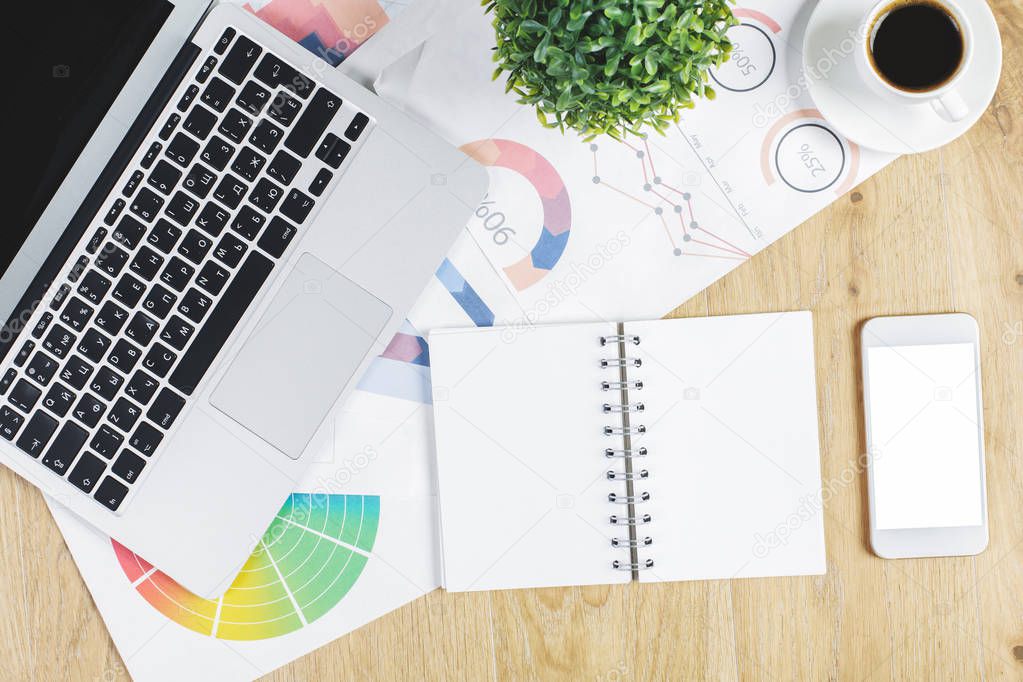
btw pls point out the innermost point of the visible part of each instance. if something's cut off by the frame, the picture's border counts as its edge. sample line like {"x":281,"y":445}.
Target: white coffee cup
{"x":944,"y":99}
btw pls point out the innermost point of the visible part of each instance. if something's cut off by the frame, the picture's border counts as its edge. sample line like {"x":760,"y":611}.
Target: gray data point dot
{"x":657,"y":179}
{"x":695,"y":225}
{"x":678,"y":209}
{"x":647,"y":187}
{"x":658,"y":211}
{"x":687,"y":196}
{"x":678,"y":252}
{"x":596,"y":179}
{"x":639,"y":155}
{"x":686,"y":238}
{"x":593,"y":147}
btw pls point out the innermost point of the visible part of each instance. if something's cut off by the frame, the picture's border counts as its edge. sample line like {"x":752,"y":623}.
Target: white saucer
{"x":866,"y":118}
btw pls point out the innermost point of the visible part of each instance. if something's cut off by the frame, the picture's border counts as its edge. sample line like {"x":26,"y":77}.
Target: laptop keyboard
{"x":173,"y":263}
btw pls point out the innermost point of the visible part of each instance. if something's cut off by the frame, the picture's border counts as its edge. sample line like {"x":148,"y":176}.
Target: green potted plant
{"x":609,"y":66}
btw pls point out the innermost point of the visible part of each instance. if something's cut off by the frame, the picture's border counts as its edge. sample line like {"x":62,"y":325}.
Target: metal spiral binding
{"x":626,"y":453}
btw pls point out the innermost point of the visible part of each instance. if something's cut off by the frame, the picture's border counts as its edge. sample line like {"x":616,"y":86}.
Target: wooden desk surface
{"x":931,"y":233}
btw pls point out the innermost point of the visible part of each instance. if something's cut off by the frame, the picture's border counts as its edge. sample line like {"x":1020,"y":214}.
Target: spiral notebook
{"x":607,"y":452}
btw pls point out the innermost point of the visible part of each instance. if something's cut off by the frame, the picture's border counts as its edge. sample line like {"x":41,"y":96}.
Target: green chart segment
{"x":304,"y":564}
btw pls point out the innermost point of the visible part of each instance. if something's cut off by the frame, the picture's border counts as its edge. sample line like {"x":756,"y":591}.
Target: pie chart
{"x":304,"y":564}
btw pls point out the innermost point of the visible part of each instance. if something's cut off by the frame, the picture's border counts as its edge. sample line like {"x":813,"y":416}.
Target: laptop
{"x":215,"y":232}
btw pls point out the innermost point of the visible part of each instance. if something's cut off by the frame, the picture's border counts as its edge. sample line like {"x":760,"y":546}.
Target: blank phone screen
{"x":925,"y":436}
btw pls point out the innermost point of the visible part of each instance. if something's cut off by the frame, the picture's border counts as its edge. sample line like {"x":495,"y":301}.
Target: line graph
{"x":672,"y":204}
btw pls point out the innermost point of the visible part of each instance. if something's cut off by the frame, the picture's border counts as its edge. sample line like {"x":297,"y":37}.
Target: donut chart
{"x":557,"y":208}
{"x":302,"y":567}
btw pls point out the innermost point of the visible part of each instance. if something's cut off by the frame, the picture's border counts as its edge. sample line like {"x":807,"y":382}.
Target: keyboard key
{"x":212,"y":219}
{"x":76,"y":314}
{"x":10,"y":422}
{"x":94,"y":345}
{"x":41,"y":325}
{"x":320,"y":182}
{"x":164,"y":235}
{"x":276,"y":237}
{"x":195,"y":305}
{"x":164,"y":177}
{"x":313,"y":121}
{"x":188,"y":97}
{"x":124,"y":414}
{"x":248,"y":163}
{"x":129,"y":231}
{"x":181,"y":208}
{"x":235,"y":125}
{"x":97,"y":240}
{"x":142,"y":329}
{"x":107,"y":441}
{"x":89,"y":410}
{"x":146,"y":263}
{"x":214,"y":333}
{"x":355,"y":128}
{"x":265,"y":195}
{"x":212,"y":278}
{"x":176,"y":333}
{"x":141,"y":387}
{"x":111,"y":260}
{"x":206,"y":69}
{"x":26,"y":350}
{"x":9,"y":376}
{"x":253,"y":98}
{"x":297,"y":206}
{"x":333,"y":150}
{"x":284,"y":108}
{"x":76,"y":372}
{"x":169,"y":126}
{"x":283,"y":167}
{"x":177,"y":274}
{"x":65,"y":447}
{"x":159,"y":360}
{"x":37,"y":433}
{"x":200,"y":121}
{"x":217,"y":152}
{"x":129,"y":290}
{"x":230,"y":250}
{"x":118,"y":205}
{"x":147,"y":204}
{"x":266,"y":136}
{"x":132,"y":184}
{"x":240,"y":60}
{"x":199,"y":181}
{"x":248,"y":223}
{"x":274,"y":72}
{"x":182,"y":149}
{"x":160,"y":301}
{"x":86,"y":472}
{"x":165,"y":408}
{"x":146,"y":439}
{"x":111,"y":318}
{"x":79,"y":268}
{"x":60,"y":296}
{"x":59,"y":399}
{"x":224,"y":41}
{"x":230,"y":191}
{"x":59,"y":341}
{"x":94,"y":286}
{"x":124,"y":356}
{"x":24,"y":395}
{"x":195,"y":246}
{"x":42,"y":368}
{"x":111,"y":493}
{"x":217,"y":94}
{"x":128,"y":466}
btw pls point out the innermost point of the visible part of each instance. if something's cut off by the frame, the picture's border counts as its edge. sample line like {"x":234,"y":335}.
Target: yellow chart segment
{"x":304,"y":564}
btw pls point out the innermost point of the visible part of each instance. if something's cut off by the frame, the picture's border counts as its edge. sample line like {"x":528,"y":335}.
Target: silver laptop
{"x":215,"y":233}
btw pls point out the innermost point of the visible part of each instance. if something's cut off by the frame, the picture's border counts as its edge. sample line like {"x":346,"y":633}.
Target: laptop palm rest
{"x":306,"y":347}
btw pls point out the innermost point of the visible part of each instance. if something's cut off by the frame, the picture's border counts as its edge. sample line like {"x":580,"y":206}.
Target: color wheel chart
{"x":674,"y":207}
{"x":303,"y":566}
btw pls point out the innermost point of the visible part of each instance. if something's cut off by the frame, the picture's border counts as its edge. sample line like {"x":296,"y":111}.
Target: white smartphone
{"x":925,"y":436}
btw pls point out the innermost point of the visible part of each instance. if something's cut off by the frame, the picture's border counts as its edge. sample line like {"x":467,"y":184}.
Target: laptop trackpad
{"x":307,"y":346}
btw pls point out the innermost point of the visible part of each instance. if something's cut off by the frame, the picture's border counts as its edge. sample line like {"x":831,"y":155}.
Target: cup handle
{"x":950,"y":106}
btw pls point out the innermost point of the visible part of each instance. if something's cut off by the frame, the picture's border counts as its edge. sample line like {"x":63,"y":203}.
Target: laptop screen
{"x":71,"y":59}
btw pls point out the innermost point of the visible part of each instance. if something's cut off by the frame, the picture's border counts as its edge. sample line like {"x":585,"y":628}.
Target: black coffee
{"x":916,"y":46}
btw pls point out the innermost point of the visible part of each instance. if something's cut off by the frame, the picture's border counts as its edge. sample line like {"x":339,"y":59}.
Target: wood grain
{"x":935,"y":232}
